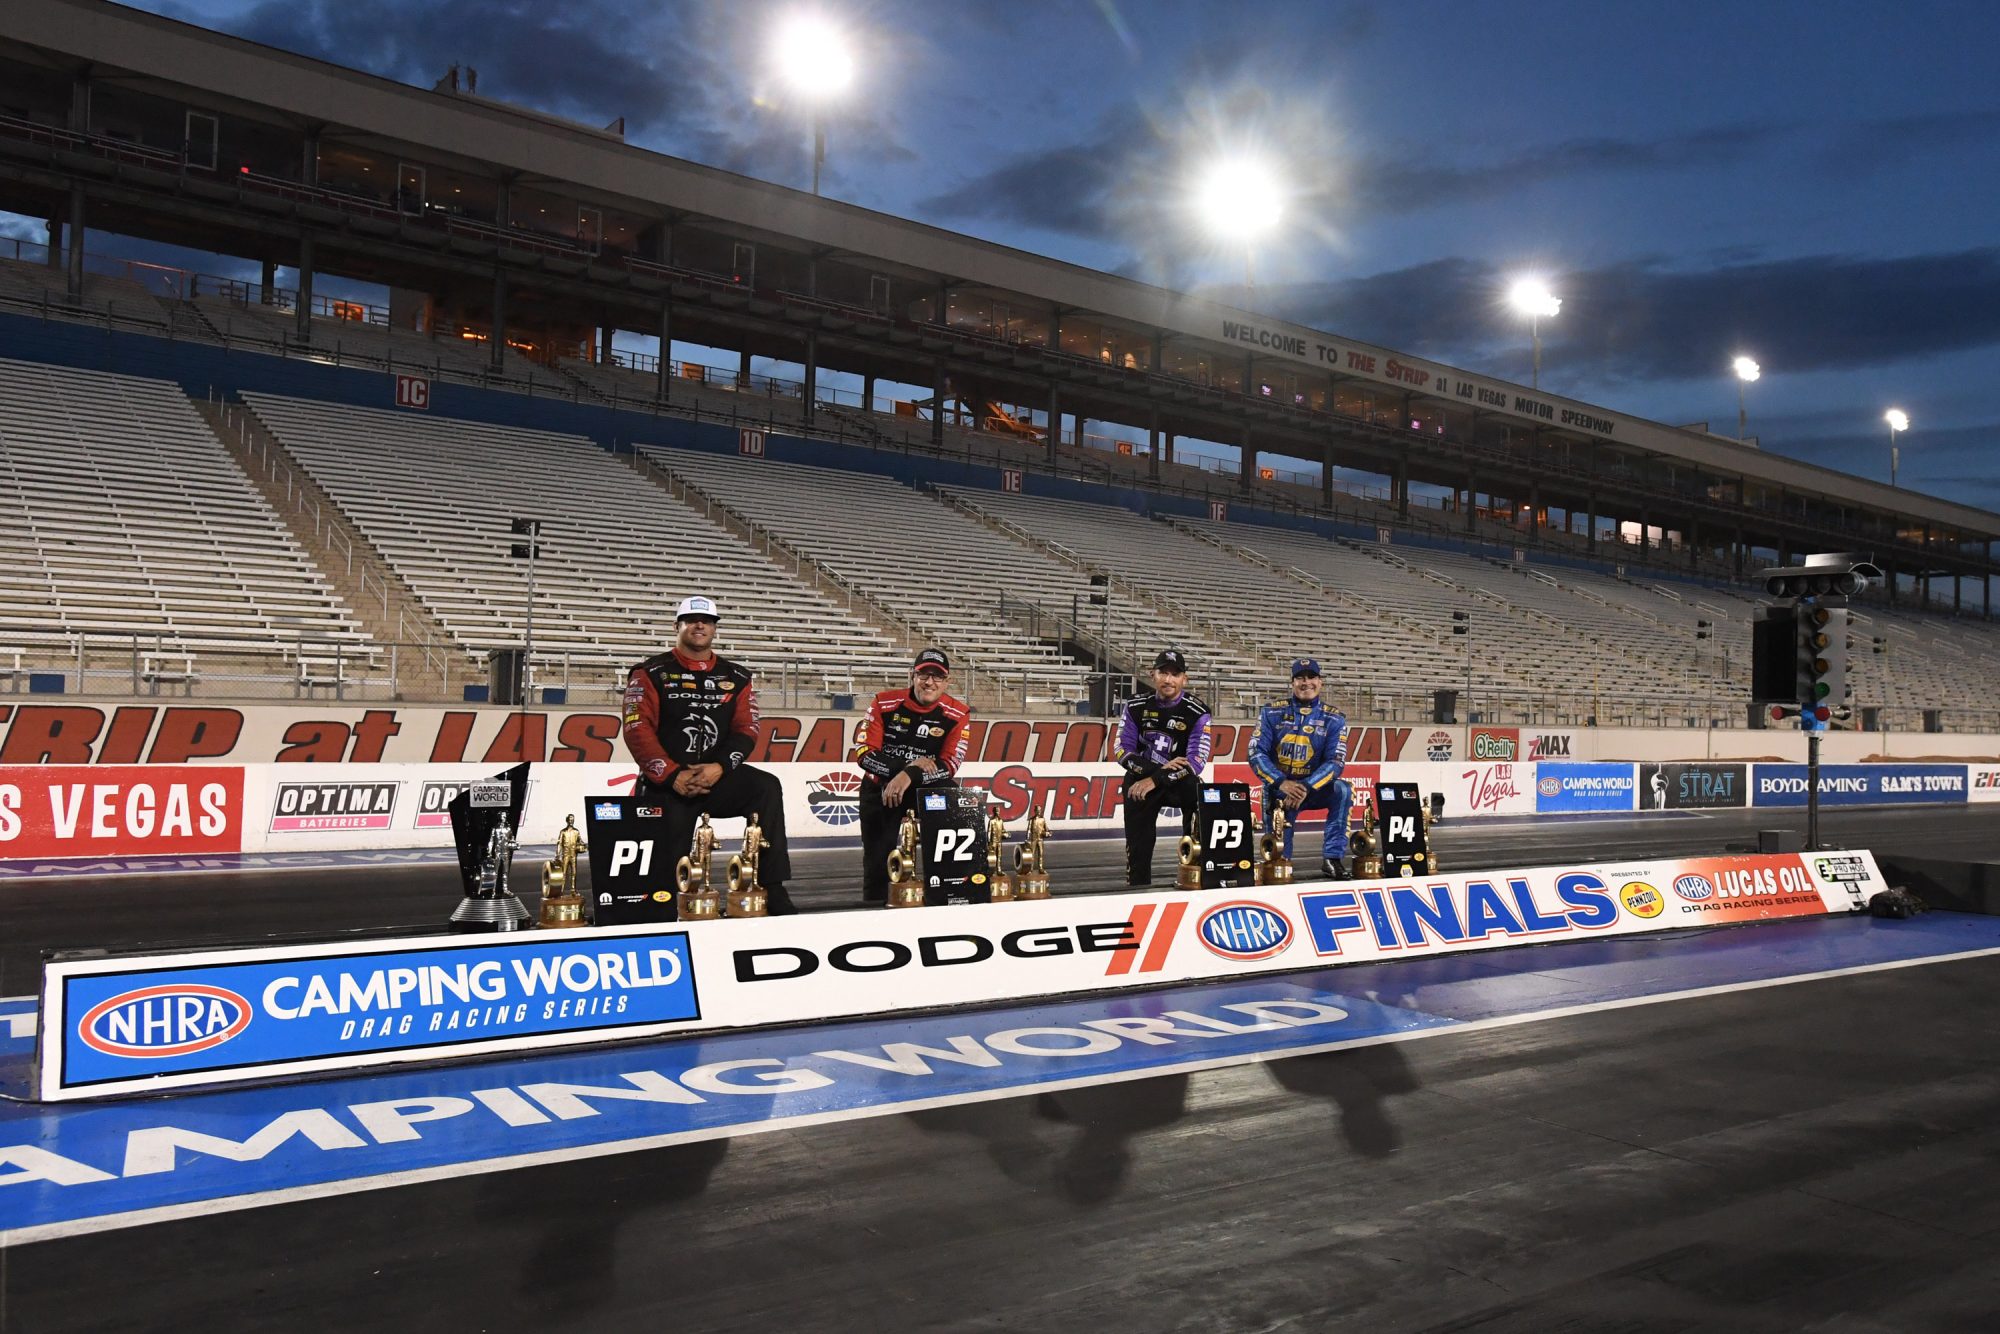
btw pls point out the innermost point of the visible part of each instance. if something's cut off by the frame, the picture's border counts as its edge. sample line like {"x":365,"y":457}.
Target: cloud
{"x":1641,"y":320}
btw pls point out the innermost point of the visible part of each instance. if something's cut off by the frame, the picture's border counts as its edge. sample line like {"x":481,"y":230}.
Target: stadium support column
{"x":267,"y":278}
{"x":664,"y":372}
{"x":1055,"y":422}
{"x":811,"y":389}
{"x":1471,"y":502}
{"x":937,"y":402}
{"x":868,"y":391}
{"x":305,"y":303}
{"x":1590,"y":522}
{"x":1247,"y":458}
{"x":496,"y":342}
{"x":1403,"y":487}
{"x":76,"y":243}
{"x":1153,"y":430}
{"x":1326,"y":480}
{"x":54,"y":257}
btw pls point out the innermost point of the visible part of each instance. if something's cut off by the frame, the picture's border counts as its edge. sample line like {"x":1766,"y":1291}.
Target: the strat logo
{"x":1491,"y":786}
{"x":1151,"y":933}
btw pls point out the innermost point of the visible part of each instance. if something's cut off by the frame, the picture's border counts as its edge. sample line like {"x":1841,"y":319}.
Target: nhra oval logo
{"x":1641,"y":899}
{"x":173,"y":1020}
{"x":1694,"y":888}
{"x":1244,"y":931}
{"x":835,"y":798}
{"x":1549,"y":787}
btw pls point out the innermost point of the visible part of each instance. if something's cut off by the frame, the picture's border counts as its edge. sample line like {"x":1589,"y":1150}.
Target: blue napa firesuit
{"x":1305,"y":743}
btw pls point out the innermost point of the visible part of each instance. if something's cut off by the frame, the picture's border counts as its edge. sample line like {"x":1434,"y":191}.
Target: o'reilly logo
{"x":316,"y":807}
{"x":781,"y":963}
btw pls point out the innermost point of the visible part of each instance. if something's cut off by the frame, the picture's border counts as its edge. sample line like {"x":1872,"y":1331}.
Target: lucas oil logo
{"x":155,"y":1022}
{"x":1244,"y":931}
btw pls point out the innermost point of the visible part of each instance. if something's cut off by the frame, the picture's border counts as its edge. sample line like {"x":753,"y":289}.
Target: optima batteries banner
{"x":185,"y":1018}
{"x":112,"y":1025}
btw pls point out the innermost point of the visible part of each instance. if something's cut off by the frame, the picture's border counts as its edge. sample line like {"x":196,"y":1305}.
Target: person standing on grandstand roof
{"x":914,"y":738}
{"x":1163,"y":747}
{"x":690,"y":723}
{"x":1299,"y":753}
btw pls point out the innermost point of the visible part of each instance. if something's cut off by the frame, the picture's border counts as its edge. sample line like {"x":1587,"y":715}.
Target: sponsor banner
{"x":1537,"y":745}
{"x":1564,"y":788}
{"x":1983,"y":783}
{"x":1861,"y":784}
{"x":1473,"y":789}
{"x":182,"y":1019}
{"x":1678,"y":787}
{"x":121,"y":1025}
{"x":1494,"y":743}
{"x":94,"y":811}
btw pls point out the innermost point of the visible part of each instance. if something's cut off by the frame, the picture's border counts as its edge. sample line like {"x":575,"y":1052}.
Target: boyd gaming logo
{"x":155,"y":1022}
{"x":835,"y":798}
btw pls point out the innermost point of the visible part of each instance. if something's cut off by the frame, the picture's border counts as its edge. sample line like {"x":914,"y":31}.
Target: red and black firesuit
{"x":679,"y":713}
{"x":898,"y":731}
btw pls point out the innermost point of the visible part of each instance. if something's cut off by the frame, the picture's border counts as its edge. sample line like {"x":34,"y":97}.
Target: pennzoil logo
{"x":156,"y":1022}
{"x":1641,"y":899}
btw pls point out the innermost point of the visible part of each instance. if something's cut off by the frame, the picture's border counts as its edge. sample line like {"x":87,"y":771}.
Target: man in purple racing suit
{"x":1163,"y":747}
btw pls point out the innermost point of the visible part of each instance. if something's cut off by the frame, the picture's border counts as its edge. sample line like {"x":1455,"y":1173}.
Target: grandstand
{"x":138,"y":551}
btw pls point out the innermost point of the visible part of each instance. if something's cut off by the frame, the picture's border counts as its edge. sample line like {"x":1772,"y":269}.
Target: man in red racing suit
{"x":914,"y":738}
{"x":690,"y":723}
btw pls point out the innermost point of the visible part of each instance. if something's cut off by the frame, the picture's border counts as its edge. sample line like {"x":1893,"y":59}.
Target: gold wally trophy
{"x":562,"y":905}
{"x":1433,"y":810}
{"x":697,"y":900}
{"x":906,"y":886}
{"x":742,"y":896}
{"x":1031,"y":860}
{"x":1001,"y":883}
{"x":1188,"y":876}
{"x":1273,"y":866}
{"x":1365,"y":845}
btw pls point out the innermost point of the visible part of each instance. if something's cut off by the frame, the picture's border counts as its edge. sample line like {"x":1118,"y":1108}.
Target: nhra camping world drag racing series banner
{"x":114,"y":1025}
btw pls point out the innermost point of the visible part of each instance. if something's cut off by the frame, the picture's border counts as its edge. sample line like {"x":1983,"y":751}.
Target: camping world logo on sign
{"x":1244,"y":931}
{"x":315,"y":807}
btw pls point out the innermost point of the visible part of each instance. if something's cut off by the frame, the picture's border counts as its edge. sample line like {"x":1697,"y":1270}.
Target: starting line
{"x":71,"y":1170}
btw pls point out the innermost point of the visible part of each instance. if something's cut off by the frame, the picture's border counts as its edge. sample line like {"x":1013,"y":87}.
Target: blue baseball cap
{"x":1305,"y":667}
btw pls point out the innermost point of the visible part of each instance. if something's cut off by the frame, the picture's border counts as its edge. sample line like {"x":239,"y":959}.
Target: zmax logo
{"x":164,"y":1021}
{"x":1244,"y":931}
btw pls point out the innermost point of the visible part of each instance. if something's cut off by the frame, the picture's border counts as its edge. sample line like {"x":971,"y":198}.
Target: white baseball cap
{"x":697,"y":606}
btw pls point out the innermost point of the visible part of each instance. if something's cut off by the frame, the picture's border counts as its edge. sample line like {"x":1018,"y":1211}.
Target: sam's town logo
{"x":155,"y":1022}
{"x":1641,"y":899}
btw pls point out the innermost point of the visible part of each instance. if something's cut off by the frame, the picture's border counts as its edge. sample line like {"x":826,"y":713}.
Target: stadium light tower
{"x":1746,"y":371}
{"x":814,"y":59}
{"x":1899,"y":421}
{"x":1531,"y":297}
{"x":1240,"y":199}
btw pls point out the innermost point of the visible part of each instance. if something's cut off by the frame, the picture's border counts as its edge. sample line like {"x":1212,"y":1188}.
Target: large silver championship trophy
{"x":486,"y":823}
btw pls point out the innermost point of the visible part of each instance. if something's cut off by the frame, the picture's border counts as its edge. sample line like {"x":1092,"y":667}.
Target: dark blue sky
{"x":1816,"y":184}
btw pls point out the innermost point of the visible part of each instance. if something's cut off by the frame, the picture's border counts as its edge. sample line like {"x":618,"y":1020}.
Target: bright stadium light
{"x":1899,"y":421}
{"x":1531,"y":297}
{"x":1746,"y":371}
{"x":1241,"y":200}
{"x":814,"y":60}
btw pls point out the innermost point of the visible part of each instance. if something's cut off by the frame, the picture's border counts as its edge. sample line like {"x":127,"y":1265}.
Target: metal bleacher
{"x":135,"y":545}
{"x":434,"y":497}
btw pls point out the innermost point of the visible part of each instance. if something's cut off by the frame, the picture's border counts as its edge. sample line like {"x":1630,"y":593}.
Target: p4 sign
{"x":122,"y":810}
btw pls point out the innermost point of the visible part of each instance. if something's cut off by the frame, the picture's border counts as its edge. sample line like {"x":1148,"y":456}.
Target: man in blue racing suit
{"x":1299,"y":753}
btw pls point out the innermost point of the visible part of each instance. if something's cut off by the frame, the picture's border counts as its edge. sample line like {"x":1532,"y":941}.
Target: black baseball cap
{"x":932,"y":660}
{"x":1170,"y":661}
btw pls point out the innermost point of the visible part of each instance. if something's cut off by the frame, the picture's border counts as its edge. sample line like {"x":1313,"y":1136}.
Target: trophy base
{"x":1029,"y":887}
{"x":505,"y":913}
{"x":1001,"y":889}
{"x":704,"y":907}
{"x":1187,"y":877}
{"x":1367,"y":868}
{"x":1277,"y":871}
{"x":562,"y":911}
{"x":909,"y":895}
{"x":745,"y":903}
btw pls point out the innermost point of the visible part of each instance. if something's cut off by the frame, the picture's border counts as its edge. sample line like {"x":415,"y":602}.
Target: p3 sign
{"x":1227,"y":831}
{"x":952,"y":836}
{"x":631,"y":872}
